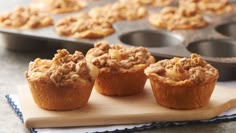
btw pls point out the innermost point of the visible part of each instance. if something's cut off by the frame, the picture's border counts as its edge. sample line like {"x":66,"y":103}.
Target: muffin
{"x":121,"y":68}
{"x":182,"y":83}
{"x":63,"y":83}
{"x":25,"y":18}
{"x":209,"y":6}
{"x":172,"y":18}
{"x":119,"y":11}
{"x":58,"y":6}
{"x":84,"y":26}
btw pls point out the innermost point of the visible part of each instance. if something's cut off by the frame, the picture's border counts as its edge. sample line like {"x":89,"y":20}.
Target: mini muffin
{"x":119,"y":11}
{"x":150,"y":2}
{"x":58,"y":6}
{"x":25,"y":18}
{"x":172,"y":18}
{"x":84,"y":26}
{"x":63,"y":83}
{"x":182,"y":83}
{"x":209,"y":6}
{"x":121,"y":68}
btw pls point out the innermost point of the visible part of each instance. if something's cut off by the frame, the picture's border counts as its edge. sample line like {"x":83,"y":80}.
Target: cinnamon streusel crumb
{"x":58,"y":6}
{"x":150,"y":2}
{"x":63,"y":69}
{"x":116,"y":57}
{"x":172,"y":18}
{"x":26,"y":18}
{"x":84,"y":26}
{"x":193,"y":69}
{"x":119,"y":11}
{"x":208,"y":6}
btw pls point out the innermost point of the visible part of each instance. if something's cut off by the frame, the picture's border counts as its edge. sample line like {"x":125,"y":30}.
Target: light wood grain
{"x":105,"y":110}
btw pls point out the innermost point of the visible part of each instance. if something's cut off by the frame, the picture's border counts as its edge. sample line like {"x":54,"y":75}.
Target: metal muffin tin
{"x":216,"y":43}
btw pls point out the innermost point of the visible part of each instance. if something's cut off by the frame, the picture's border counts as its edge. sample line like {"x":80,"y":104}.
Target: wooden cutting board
{"x":105,"y":110}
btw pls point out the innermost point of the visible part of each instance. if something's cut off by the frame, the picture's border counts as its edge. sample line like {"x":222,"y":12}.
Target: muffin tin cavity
{"x":227,"y":71}
{"x":150,"y":38}
{"x":214,"y":48}
{"x":227,"y":29}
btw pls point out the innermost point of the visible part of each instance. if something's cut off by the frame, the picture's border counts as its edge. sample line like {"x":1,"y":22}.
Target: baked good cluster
{"x":189,"y":14}
{"x":65,"y":82}
{"x":86,"y":20}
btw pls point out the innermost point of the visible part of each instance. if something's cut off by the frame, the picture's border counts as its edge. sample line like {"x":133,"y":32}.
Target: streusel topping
{"x":107,"y":12}
{"x":178,"y":18}
{"x":208,"y":6}
{"x":116,"y":57}
{"x":63,"y":69}
{"x":84,"y":26}
{"x":180,"y":69}
{"x":150,"y":2}
{"x":58,"y":6}
{"x":119,"y":11}
{"x":25,"y":17}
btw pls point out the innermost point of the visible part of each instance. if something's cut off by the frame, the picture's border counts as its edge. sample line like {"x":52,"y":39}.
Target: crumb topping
{"x":150,"y":2}
{"x":181,"y":69}
{"x":98,"y":21}
{"x":116,"y":57}
{"x":25,"y":17}
{"x":63,"y":69}
{"x":209,"y":6}
{"x":178,"y":18}
{"x":119,"y":11}
{"x":59,"y":6}
{"x":84,"y":26}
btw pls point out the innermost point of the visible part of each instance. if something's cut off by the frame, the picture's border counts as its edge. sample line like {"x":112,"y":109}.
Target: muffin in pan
{"x":118,"y":11}
{"x":25,"y":18}
{"x":182,"y":83}
{"x":121,"y":68}
{"x":63,"y":83}
{"x":84,"y":26}
{"x":150,"y":2}
{"x":173,"y":18}
{"x":208,"y":6}
{"x":58,"y":6}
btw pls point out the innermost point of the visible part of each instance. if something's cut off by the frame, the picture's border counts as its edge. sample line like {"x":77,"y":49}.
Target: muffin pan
{"x":216,"y":42}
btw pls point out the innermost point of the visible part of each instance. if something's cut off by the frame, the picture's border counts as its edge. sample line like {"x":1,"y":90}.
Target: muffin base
{"x":48,"y":96}
{"x":120,"y":84}
{"x":182,"y":97}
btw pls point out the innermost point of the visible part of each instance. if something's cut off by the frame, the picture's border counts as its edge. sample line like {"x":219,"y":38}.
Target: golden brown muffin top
{"x":25,"y":17}
{"x":208,"y":6}
{"x":58,"y":6}
{"x":84,"y":26}
{"x":119,"y":11}
{"x":118,"y":58}
{"x":178,"y":18}
{"x":183,"y":70}
{"x":63,"y":69}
